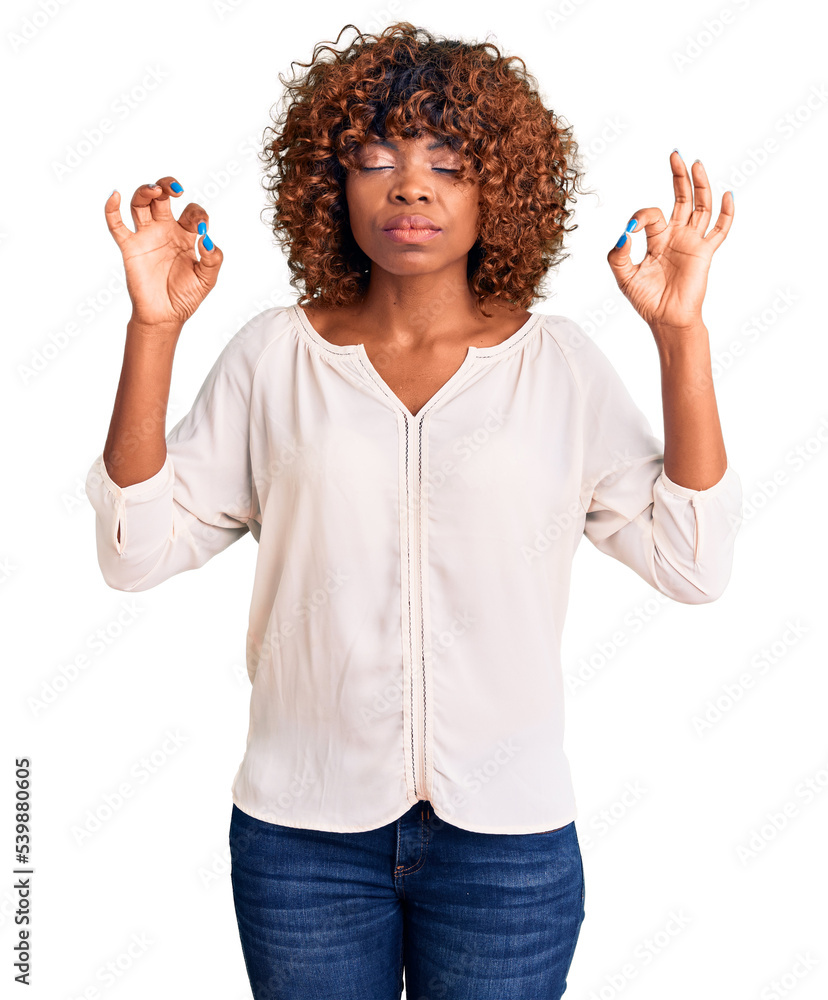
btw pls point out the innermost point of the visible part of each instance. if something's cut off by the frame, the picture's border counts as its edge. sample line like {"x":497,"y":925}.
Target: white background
{"x":635,"y":79}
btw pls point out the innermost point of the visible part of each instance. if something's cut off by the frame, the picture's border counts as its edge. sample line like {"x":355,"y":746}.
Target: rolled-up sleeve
{"x":678,"y":539}
{"x":198,"y":503}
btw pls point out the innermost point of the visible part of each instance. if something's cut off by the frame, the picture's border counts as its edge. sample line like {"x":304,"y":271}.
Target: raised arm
{"x":134,"y":479}
{"x":667,"y":290}
{"x":669,"y":511}
{"x":166,"y":284}
{"x":136,"y":448}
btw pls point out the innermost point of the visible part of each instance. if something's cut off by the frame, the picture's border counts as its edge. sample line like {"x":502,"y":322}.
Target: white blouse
{"x":413,"y":571}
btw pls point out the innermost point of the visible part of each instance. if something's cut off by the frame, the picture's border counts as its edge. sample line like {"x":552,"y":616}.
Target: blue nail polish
{"x":631,"y":225}
{"x":676,"y":151}
{"x":622,"y":241}
{"x":207,"y":243}
{"x":176,"y":187}
{"x":731,"y":195}
{"x":202,"y":228}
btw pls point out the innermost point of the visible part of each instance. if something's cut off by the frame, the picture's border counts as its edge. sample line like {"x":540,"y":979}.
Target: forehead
{"x":426,"y":142}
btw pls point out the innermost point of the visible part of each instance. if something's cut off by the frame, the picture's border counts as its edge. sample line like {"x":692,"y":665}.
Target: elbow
{"x":123,"y":586}
{"x":121,"y":583}
{"x":118,"y":575}
{"x":697,"y":596}
{"x":128,"y":587}
{"x":691,"y":573}
{"x":687,"y":585}
{"x":132,"y":568}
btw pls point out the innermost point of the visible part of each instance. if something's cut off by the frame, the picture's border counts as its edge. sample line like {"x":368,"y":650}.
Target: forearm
{"x":694,"y":451}
{"x":135,"y":446}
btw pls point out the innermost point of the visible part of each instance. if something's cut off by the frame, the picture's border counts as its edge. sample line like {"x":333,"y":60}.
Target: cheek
{"x":471,"y":207}
{"x":354,"y":203}
{"x":359,"y":212}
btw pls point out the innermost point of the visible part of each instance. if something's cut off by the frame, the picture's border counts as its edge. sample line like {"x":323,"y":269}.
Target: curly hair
{"x":403,"y":83}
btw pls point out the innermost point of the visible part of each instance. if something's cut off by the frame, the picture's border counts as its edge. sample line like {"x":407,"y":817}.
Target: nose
{"x":412,"y":195}
{"x":412,"y":183}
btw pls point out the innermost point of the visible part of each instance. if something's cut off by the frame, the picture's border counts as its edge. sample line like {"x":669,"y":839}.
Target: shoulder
{"x":245,"y":349}
{"x":590,"y":367}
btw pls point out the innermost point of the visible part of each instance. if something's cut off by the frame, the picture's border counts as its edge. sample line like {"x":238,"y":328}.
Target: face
{"x":397,"y":179}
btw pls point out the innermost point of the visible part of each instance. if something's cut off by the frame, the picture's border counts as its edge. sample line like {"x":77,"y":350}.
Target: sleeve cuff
{"x":146,"y":489}
{"x":688,"y":493}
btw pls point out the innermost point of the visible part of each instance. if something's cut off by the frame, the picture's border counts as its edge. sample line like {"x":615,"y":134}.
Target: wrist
{"x":681,"y":341}
{"x":162,"y":336}
{"x":162,"y":328}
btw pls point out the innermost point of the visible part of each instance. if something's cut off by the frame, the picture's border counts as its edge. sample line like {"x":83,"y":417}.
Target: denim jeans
{"x":468,"y":916}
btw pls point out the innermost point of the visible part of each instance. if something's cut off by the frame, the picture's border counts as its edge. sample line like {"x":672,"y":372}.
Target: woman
{"x":417,"y":456}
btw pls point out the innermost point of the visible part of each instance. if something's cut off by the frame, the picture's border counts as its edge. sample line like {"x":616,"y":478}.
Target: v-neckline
{"x":303,"y":323}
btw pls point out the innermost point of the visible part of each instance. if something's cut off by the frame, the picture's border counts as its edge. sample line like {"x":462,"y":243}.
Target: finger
{"x":191,"y":215}
{"x":717,"y":234}
{"x":682,"y":188}
{"x":646,"y":220}
{"x":619,"y":257}
{"x":207,"y":268}
{"x":114,"y":222}
{"x":140,"y":205}
{"x":703,"y":209}
{"x":163,"y":191}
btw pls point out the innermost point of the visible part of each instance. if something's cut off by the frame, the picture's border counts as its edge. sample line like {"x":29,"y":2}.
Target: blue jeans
{"x":468,"y":916}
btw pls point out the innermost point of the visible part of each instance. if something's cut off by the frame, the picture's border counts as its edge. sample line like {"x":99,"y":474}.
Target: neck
{"x":419,"y":310}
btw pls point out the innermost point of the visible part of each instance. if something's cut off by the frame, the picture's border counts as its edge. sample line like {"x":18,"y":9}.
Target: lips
{"x":410,"y":222}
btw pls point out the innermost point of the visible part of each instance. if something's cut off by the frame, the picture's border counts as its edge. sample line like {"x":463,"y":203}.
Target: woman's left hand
{"x":668,"y":286}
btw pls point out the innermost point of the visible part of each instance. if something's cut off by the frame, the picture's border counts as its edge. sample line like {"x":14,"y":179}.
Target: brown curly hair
{"x":402,"y":83}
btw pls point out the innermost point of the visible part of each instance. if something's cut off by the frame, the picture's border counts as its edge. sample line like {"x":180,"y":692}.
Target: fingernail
{"x":207,"y":243}
{"x":111,"y":193}
{"x":622,"y":241}
{"x":676,"y":151}
{"x":152,"y":185}
{"x":202,"y":228}
{"x":176,"y":187}
{"x":731,"y":195}
{"x":631,"y":225}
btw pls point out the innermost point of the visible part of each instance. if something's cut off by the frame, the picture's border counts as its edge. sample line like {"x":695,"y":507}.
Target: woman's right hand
{"x":165,"y":280}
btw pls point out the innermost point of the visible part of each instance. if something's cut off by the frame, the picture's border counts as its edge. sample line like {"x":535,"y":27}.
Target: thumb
{"x":207,"y":268}
{"x":619,"y":257}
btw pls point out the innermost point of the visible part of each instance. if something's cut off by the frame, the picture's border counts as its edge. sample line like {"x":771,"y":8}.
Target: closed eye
{"x":441,"y":170}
